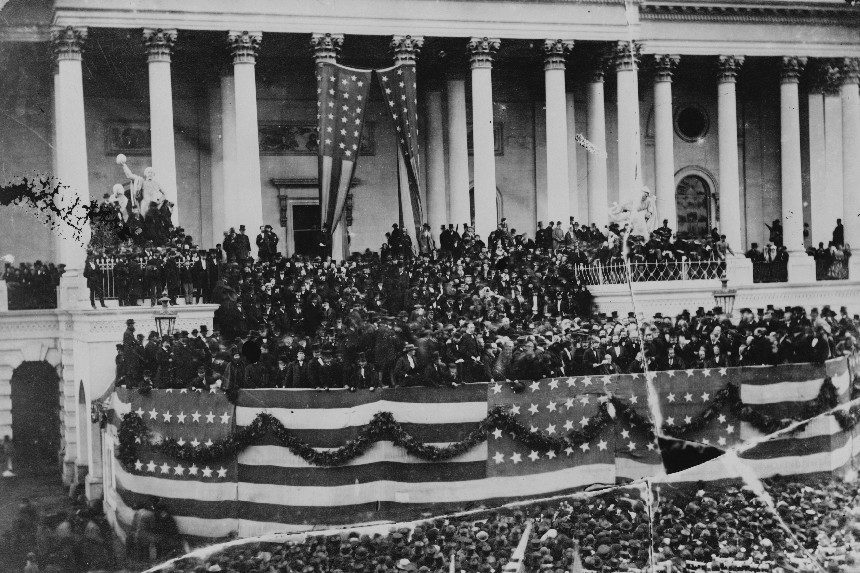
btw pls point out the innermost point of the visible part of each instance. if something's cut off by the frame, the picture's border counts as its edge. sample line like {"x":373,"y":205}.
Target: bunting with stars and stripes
{"x":400,"y":90}
{"x":269,"y":486}
{"x":341,"y":101}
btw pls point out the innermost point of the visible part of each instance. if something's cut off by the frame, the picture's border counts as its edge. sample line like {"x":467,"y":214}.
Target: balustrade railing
{"x":616,"y":273}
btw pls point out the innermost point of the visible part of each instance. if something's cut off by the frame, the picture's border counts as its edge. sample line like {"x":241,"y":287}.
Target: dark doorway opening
{"x":306,"y":221}
{"x":36,"y":418}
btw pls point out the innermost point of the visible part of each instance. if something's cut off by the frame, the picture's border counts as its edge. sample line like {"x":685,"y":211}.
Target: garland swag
{"x":383,"y":426}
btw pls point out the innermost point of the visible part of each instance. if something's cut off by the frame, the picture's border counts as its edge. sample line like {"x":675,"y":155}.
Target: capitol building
{"x":733,"y":114}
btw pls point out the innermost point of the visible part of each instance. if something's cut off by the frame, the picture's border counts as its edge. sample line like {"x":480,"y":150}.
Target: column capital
{"x":791,"y":69}
{"x":625,"y":55}
{"x":482,"y":51}
{"x":664,"y":66}
{"x":823,"y":77}
{"x":406,"y":48}
{"x":244,"y":46}
{"x":68,"y":42}
{"x":555,"y":53}
{"x":159,"y":43}
{"x":326,"y":47}
{"x":849,"y":71}
{"x":597,"y":66}
{"x":729,"y":68}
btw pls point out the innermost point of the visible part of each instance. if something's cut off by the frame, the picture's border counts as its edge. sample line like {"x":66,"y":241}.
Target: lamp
{"x":725,"y":297}
{"x":165,"y":317}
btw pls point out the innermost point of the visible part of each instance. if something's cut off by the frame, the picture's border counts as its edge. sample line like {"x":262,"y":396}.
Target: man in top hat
{"x":406,"y":368}
{"x":242,"y":245}
{"x":361,"y":374}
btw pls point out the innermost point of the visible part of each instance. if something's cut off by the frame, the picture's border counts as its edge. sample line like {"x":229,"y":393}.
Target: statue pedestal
{"x":801,"y":268}
{"x":739,"y":271}
{"x":854,"y":267}
{"x":4,"y":296}
{"x":73,"y":294}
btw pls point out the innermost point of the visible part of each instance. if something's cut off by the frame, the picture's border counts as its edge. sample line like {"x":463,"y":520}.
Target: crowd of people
{"x":76,"y":539}
{"x":364,"y":351}
{"x":695,"y":527}
{"x":31,"y":286}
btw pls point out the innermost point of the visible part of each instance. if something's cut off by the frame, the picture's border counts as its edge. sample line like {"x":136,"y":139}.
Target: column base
{"x":739,"y":271}
{"x":94,"y":488}
{"x":4,"y":296}
{"x":81,"y":473}
{"x":854,"y":267}
{"x":801,"y":268}
{"x":73,"y":292}
{"x":68,"y":472}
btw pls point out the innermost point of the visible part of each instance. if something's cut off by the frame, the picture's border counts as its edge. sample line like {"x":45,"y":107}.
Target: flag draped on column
{"x":341,"y":100}
{"x":399,"y":87}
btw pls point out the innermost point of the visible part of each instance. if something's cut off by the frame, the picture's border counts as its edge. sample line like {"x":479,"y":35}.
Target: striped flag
{"x":341,"y":101}
{"x":400,"y":89}
{"x":201,"y":496}
{"x":268,"y":488}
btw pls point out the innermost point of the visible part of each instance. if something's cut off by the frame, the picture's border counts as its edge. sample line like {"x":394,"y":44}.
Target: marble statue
{"x":635,"y":216}
{"x":144,"y":190}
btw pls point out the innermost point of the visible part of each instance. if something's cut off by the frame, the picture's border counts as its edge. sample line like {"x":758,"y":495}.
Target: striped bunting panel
{"x":277,"y":486}
{"x":202,"y":497}
{"x":270,"y":489}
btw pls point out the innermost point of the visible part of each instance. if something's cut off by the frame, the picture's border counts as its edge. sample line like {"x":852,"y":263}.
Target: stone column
{"x":72,"y":170}
{"x":625,"y":59}
{"x":833,"y":146}
{"x":58,"y":103}
{"x":243,"y":202}
{"x":481,"y":53}
{"x":738,"y":268}
{"x":458,"y":150}
{"x":159,"y":46}
{"x":598,"y":198}
{"x":801,"y":267}
{"x":326,"y":47}
{"x":406,"y":49}
{"x":850,"y":72}
{"x":437,"y":201}
{"x":664,"y":137}
{"x":572,"y":167}
{"x":818,"y":222}
{"x":557,"y":175}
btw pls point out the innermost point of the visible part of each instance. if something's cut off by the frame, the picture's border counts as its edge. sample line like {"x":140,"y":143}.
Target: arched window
{"x":693,"y":203}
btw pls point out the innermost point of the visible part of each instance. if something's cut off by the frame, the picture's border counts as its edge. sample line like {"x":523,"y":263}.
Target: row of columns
{"x":448,"y":197}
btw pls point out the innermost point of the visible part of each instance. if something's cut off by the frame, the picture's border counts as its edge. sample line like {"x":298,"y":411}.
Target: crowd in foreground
{"x":695,"y":527}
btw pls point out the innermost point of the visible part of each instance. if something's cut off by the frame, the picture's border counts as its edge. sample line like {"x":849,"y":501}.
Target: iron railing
{"x":616,"y":273}
{"x":770,"y":272}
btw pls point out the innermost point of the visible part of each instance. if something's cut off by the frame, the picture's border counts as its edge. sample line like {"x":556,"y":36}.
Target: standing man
{"x":242,"y":246}
{"x":94,"y":281}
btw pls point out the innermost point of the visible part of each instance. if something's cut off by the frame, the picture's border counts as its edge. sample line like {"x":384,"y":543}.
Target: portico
{"x":559,"y":109}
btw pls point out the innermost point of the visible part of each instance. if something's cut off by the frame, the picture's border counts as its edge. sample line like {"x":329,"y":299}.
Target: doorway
{"x":304,"y":222}
{"x":693,"y":204}
{"x":36,"y":417}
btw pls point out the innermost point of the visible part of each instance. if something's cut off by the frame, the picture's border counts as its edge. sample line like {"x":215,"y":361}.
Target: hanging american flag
{"x":341,"y":100}
{"x":400,"y":89}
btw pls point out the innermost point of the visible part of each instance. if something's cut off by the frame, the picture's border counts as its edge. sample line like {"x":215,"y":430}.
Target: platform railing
{"x":616,"y":273}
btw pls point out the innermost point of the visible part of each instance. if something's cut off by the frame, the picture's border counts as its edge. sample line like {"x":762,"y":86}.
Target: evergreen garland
{"x":383,"y":426}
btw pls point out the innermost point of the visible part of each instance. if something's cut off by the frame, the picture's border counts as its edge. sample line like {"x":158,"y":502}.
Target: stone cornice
{"x":764,"y":13}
